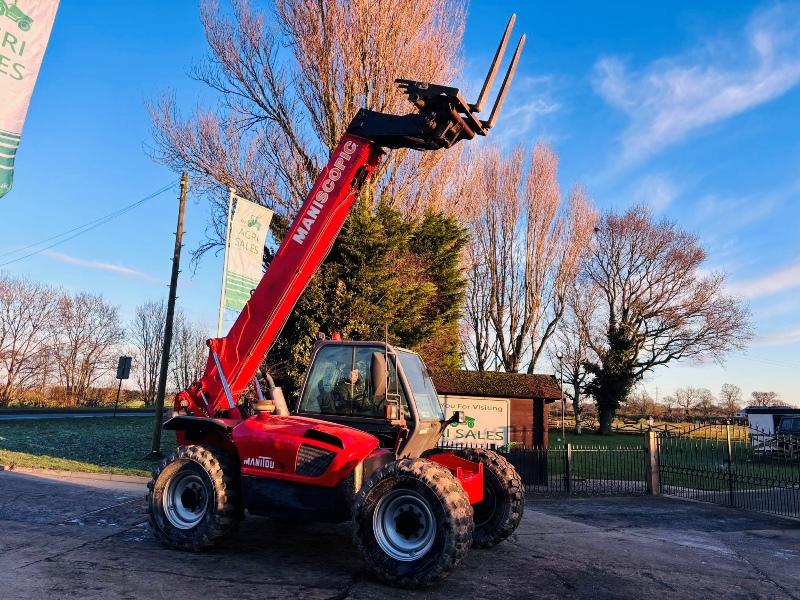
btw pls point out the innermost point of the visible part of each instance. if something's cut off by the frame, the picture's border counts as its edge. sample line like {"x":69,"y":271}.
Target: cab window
{"x":339,"y":383}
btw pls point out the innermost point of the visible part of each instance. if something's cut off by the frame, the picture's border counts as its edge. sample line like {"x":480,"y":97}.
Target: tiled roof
{"x":496,"y":384}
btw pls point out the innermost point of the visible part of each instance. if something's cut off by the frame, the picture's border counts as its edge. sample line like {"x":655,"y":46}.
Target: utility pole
{"x":173,"y":289}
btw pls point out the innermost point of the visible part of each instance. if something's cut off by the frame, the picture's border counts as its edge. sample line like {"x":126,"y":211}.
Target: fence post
{"x":651,"y":469}
{"x":568,"y":468}
{"x":731,"y":496}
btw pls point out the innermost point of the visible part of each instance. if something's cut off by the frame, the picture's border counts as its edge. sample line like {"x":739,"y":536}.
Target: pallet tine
{"x":498,"y":58}
{"x":506,"y":83}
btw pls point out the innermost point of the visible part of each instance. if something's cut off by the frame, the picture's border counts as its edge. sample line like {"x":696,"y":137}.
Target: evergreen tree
{"x":385,"y":270}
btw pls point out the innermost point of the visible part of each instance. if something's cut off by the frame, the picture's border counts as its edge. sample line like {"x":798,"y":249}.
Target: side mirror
{"x":378,"y":374}
{"x":457,"y":418}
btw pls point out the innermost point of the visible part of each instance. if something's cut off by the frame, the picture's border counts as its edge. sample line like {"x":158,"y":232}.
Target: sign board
{"x":248,"y":232}
{"x":486,"y":421}
{"x":25,"y":29}
{"x":124,"y":367}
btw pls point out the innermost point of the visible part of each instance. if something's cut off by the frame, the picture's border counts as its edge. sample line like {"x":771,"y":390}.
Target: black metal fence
{"x":572,"y":468}
{"x":716,"y":461}
{"x":581,"y":469}
{"x":760,"y":473}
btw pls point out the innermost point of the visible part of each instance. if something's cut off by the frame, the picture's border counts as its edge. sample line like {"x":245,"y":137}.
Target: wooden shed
{"x":526,"y":394}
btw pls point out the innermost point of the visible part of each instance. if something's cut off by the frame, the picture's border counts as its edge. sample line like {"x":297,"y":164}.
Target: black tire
{"x":498,"y":516}
{"x":415,"y":495}
{"x":208,"y":479}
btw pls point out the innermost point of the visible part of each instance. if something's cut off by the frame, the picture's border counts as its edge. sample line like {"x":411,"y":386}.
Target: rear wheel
{"x":193,"y":500}
{"x":501,"y":510}
{"x":413,"y":523}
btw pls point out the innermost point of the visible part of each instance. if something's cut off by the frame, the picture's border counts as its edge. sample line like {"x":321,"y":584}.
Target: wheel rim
{"x":404,"y":525}
{"x":185,"y":500}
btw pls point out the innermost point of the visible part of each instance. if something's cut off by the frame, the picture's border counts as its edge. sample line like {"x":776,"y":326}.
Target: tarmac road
{"x":80,"y":538}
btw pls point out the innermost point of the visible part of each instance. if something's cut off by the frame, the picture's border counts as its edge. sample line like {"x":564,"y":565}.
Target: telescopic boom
{"x":442,"y":119}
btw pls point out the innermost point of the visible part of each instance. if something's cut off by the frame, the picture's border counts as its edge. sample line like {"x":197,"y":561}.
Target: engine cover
{"x":299,"y":449}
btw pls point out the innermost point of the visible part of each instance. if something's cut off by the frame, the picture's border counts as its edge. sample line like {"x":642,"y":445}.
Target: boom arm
{"x":443,"y":119}
{"x":307,"y":242}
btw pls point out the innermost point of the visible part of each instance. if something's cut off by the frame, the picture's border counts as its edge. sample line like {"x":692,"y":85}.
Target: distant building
{"x":513,"y":401}
{"x":765,"y":419}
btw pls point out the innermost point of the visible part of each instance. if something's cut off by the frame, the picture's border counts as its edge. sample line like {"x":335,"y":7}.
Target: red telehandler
{"x":362,"y":442}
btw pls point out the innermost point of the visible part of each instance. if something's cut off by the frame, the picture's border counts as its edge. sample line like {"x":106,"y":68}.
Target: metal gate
{"x":732,"y":465}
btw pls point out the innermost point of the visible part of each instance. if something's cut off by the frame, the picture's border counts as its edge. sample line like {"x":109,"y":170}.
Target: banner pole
{"x":221,"y":314}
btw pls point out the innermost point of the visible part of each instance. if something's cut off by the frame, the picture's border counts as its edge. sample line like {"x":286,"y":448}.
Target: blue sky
{"x":689,"y":107}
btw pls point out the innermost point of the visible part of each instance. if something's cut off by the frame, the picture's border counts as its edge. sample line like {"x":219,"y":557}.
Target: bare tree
{"x":477,"y":339}
{"x":189,"y":351}
{"x":527,"y":251}
{"x":765,"y":398}
{"x":640,"y":403}
{"x":146,"y":332}
{"x":668,"y":403}
{"x":88,"y":331}
{"x":571,"y":341}
{"x":27,"y":311}
{"x":657,"y":308}
{"x":687,"y":398}
{"x":706,"y":403}
{"x":730,"y":398}
{"x":289,"y":83}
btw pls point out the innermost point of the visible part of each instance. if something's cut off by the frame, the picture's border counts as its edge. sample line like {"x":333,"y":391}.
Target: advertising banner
{"x":248,"y":232}
{"x":486,"y":421}
{"x":24,"y":31}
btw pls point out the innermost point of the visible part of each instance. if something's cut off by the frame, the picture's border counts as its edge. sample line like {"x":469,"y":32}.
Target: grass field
{"x":98,"y":445}
{"x":615,"y":440}
{"x":712,"y":429}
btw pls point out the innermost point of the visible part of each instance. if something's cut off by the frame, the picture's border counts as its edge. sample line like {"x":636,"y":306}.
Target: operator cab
{"x":376,"y":388}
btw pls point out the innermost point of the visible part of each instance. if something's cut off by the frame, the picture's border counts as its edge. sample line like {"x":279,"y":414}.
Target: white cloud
{"x":100,"y":266}
{"x":785,"y":278}
{"x":778,"y":339}
{"x":675,"y":96}
{"x":657,"y":191}
{"x":523,"y":109}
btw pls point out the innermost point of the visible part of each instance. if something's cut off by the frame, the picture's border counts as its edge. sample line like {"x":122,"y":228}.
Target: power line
{"x":81,"y":229}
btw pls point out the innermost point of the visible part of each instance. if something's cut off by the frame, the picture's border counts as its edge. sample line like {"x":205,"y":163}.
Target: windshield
{"x":421,"y":386}
{"x":339,"y":382}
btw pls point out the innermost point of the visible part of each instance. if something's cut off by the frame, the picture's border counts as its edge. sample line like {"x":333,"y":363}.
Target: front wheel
{"x":193,"y":500}
{"x":412,"y":523}
{"x":24,"y":25}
